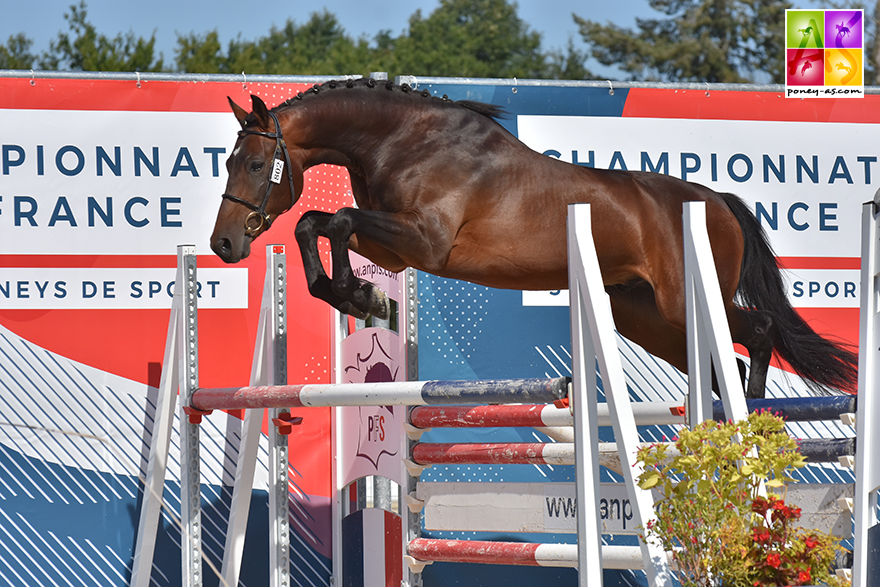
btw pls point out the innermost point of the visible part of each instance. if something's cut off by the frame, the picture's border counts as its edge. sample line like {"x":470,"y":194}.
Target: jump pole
{"x":392,"y":393}
{"x":519,"y":553}
{"x":564,"y":453}
{"x":797,"y":409}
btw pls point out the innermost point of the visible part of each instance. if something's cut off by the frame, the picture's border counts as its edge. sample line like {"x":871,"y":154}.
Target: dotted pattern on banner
{"x":324,"y":185}
{"x":464,"y":306}
{"x":433,"y":333}
{"x":316,"y":370}
{"x":274,"y":94}
{"x":327,"y":188}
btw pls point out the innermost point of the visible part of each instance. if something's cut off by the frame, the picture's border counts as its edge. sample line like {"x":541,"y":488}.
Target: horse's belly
{"x":510,"y":268}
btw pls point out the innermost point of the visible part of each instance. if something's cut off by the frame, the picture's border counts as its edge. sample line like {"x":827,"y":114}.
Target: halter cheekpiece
{"x":258,"y":219}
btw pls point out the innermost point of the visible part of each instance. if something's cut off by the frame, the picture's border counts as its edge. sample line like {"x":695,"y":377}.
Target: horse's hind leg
{"x":754,"y":330}
{"x":637,"y":318}
{"x":312,"y":225}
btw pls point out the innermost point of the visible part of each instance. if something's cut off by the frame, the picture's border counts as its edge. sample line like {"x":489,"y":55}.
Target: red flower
{"x":774,"y":560}
{"x":804,"y":576}
{"x":782,"y":511}
{"x":760,"y":505}
{"x":811,"y":542}
{"x":760,"y":534}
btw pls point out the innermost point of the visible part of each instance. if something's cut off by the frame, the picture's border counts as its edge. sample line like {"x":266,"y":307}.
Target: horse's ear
{"x":260,"y":111}
{"x":240,"y":113}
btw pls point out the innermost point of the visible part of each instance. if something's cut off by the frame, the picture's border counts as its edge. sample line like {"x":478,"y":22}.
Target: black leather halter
{"x":259,"y":212}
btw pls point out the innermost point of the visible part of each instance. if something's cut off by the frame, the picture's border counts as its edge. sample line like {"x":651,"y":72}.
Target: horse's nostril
{"x":223,"y":248}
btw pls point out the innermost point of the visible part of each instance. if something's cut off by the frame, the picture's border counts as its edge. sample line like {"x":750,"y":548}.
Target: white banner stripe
{"x":89,"y":425}
{"x":7,"y":565}
{"x":79,"y":417}
{"x":85,"y":556}
{"x":310,"y":563}
{"x":113,"y":569}
{"x":48,"y":419}
{"x":24,"y":551}
{"x":27,"y":477}
{"x":46,"y":553}
{"x":38,"y":438}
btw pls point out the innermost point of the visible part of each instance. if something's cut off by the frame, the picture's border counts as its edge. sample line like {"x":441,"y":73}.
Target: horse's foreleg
{"x":361,"y":295}
{"x":312,"y":225}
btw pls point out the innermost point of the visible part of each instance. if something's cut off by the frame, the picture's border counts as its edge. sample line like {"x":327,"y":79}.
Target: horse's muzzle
{"x":224,"y":249}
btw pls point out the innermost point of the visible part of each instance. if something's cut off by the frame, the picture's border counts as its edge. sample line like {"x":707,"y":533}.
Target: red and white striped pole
{"x":538,"y":416}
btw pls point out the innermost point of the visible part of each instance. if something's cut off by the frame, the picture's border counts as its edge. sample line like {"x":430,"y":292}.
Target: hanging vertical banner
{"x":370,"y":436}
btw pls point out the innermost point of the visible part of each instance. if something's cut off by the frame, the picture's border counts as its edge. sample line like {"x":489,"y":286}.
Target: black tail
{"x":827,"y":365}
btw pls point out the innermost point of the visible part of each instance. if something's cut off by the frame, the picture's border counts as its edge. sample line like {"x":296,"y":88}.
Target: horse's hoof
{"x":379,"y":306}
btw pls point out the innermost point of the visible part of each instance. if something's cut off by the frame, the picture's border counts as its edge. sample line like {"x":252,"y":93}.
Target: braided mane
{"x":482,"y":108}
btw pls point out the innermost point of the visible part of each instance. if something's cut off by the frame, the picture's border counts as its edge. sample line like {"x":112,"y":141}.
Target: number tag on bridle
{"x":277,"y":170}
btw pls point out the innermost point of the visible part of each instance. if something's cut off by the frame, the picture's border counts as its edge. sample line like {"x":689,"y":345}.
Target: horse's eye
{"x":256,"y":166}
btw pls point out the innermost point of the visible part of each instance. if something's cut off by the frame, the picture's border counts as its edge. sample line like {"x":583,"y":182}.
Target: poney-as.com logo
{"x":824,"y":53}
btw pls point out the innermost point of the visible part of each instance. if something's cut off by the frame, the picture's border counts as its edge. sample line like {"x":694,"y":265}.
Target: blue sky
{"x":41,"y":20}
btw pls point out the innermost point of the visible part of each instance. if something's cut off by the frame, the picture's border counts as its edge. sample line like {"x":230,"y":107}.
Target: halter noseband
{"x":259,"y":212}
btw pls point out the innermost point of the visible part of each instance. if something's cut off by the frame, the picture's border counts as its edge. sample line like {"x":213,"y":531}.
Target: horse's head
{"x":265,"y":180}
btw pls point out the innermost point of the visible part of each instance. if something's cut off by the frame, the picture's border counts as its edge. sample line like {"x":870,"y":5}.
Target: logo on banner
{"x":824,"y":54}
{"x":378,"y":425}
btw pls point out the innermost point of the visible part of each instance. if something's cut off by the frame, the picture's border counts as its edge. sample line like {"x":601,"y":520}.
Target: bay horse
{"x":442,"y":187}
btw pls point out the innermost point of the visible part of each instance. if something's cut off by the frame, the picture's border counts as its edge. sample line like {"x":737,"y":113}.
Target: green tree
{"x":475,"y":38}
{"x":84,"y":49}
{"x":568,"y":64}
{"x":472,"y":38}
{"x":16,"y":53}
{"x":199,"y":53}
{"x":320,"y":46}
{"x":697,"y":40}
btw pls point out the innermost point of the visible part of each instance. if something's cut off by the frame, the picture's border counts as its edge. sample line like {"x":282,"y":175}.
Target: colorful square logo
{"x":824,"y":53}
